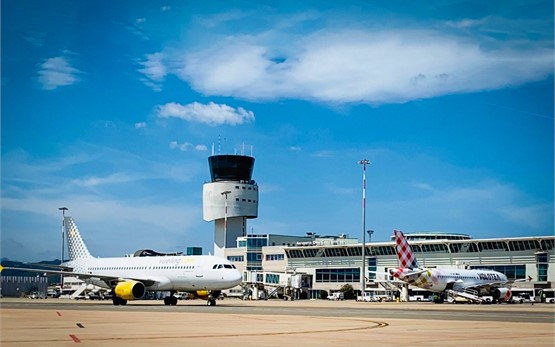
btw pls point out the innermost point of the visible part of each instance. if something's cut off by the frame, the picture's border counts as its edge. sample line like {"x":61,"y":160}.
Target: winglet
{"x":406,"y":257}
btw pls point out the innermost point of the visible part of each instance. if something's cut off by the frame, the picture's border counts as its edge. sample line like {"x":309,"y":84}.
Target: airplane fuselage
{"x":439,"y":280}
{"x":179,"y":273}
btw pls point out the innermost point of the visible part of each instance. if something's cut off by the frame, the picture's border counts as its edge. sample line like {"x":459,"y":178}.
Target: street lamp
{"x":363,"y":162}
{"x":225,"y":217}
{"x":312,"y":236}
{"x":63,"y":209}
{"x":370,"y":232}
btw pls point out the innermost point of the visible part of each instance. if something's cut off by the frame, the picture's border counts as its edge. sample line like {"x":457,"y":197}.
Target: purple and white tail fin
{"x":407,"y":259}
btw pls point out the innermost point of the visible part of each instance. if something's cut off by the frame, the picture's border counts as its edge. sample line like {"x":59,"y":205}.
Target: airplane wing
{"x":110,"y":280}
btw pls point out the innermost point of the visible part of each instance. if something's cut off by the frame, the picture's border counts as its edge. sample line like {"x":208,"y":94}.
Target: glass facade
{"x":542,"y":264}
{"x":272,"y":278}
{"x":513,"y":272}
{"x":275,"y":257}
{"x":254,"y":251}
{"x":236,"y":258}
{"x":230,"y":167}
{"x":372,"y":266}
{"x":338,"y":275}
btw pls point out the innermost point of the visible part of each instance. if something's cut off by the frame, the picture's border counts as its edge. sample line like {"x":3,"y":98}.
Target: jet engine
{"x":205,"y":294}
{"x":502,"y":294}
{"x":130,"y":290}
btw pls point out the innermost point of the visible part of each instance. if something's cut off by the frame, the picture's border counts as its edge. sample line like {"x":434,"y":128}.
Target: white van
{"x":336,"y":296}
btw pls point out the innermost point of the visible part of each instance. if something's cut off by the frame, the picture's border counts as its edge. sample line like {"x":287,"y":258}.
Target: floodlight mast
{"x":63,"y":209}
{"x":364,"y":163}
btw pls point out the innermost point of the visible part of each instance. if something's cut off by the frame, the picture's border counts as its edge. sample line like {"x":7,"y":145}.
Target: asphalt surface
{"x":27,"y":322}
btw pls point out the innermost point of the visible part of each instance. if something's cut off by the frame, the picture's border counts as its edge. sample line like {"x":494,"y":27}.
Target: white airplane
{"x":469,"y":284}
{"x":130,"y":277}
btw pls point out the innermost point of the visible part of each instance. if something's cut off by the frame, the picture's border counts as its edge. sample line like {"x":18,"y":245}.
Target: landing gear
{"x":215,"y":294}
{"x":170,"y":300}
{"x":118,"y":301}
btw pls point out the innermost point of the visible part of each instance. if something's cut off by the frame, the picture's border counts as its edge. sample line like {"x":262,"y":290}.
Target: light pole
{"x":370,"y":232}
{"x":63,"y":209}
{"x":225,"y":217}
{"x":312,"y":237}
{"x":363,"y":162}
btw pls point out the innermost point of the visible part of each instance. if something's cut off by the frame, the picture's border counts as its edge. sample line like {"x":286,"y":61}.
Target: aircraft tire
{"x":118,"y":301}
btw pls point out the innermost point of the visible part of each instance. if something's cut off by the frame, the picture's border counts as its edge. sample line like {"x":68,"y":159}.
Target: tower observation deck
{"x":229,"y":199}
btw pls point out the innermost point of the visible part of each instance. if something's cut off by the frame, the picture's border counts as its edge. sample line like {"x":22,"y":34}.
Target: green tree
{"x":348,"y":291}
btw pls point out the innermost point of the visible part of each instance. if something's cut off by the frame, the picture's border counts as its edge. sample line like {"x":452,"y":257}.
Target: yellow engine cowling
{"x":202,"y":294}
{"x":205,"y":294}
{"x":130,"y":290}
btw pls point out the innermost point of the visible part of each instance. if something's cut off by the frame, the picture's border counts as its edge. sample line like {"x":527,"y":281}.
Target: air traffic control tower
{"x":229,"y":199}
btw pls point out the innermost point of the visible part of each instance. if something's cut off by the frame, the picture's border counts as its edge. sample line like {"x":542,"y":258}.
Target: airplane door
{"x":198,"y":269}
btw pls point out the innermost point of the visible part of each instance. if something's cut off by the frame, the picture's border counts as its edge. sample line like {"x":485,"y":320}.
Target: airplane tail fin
{"x":75,"y":244}
{"x":406,"y":256}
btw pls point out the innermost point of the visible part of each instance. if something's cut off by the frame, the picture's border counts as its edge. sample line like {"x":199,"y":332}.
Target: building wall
{"x":430,"y":253}
{"x":17,"y":286}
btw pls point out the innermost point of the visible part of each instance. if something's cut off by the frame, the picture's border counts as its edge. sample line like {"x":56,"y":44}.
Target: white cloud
{"x":57,"y":72}
{"x":359,"y":66}
{"x":106,"y":191}
{"x":186,"y":146}
{"x":480,"y":208}
{"x":140,"y":125}
{"x":211,"y":113}
{"x":97,"y":181}
{"x":154,"y":70}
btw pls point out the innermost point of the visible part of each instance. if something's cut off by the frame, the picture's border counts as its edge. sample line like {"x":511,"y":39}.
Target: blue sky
{"x":111,"y":108}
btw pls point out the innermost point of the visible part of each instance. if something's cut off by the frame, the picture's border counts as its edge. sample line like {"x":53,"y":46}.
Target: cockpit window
{"x":228,"y":266}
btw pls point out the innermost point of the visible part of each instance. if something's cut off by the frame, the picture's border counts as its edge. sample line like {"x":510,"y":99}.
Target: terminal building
{"x":307,"y":266}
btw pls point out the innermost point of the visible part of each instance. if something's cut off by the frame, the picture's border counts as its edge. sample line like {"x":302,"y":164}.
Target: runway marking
{"x":80,"y":325}
{"x":376,"y":325}
{"x":75,"y":338}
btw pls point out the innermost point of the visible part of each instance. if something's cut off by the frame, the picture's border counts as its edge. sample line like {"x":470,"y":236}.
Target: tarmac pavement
{"x":59,"y":322}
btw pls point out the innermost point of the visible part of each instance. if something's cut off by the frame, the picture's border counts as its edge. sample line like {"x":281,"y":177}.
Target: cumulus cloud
{"x":187,"y":146}
{"x":360,"y":66}
{"x":140,"y":125}
{"x":211,"y":113}
{"x":57,"y":72}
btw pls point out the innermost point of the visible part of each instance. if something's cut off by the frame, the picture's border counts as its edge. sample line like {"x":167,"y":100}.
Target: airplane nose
{"x":237,"y":278}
